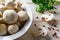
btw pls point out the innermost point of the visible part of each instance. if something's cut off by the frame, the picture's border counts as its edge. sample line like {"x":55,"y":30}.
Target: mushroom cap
{"x":3,"y":29}
{"x":10,"y":3}
{"x":13,"y":28}
{"x":6,"y":3}
{"x":47,"y":16}
{"x":2,"y":8}
{"x":10,"y":16}
{"x":18,"y":5}
{"x":22,"y":16}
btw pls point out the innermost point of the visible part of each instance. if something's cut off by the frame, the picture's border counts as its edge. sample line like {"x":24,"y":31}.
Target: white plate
{"x":24,"y":29}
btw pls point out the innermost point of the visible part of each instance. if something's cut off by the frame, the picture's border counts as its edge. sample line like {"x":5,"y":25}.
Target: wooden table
{"x":36,"y":21}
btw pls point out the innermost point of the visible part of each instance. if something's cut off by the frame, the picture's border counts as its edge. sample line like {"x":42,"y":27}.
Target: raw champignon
{"x":18,"y":7}
{"x":23,"y":16}
{"x":11,"y":3}
{"x":2,"y":8}
{"x":1,"y":14}
{"x":1,"y":19}
{"x":10,"y":16}
{"x":13,"y":28}
{"x":47,"y":17}
{"x":3,"y":29}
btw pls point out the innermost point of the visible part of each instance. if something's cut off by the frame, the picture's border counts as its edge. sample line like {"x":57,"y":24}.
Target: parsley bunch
{"x":44,"y":5}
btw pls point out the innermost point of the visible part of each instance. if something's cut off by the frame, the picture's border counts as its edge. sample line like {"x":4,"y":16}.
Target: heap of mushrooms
{"x":11,"y":16}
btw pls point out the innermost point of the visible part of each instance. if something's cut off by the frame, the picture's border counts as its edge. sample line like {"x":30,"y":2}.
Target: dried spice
{"x":49,"y":28}
{"x":53,"y":28}
{"x":34,"y":24}
{"x":39,"y":29}
{"x":54,"y":34}
{"x":43,"y":25}
{"x":37,"y":17}
{"x":57,"y":30}
{"x":43,"y":33}
{"x":54,"y":25}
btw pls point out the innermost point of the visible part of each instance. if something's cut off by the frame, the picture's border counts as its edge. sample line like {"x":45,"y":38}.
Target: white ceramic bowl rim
{"x":25,"y":28}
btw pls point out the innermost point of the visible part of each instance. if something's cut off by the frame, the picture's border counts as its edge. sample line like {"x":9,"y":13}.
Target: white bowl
{"x":23,"y":30}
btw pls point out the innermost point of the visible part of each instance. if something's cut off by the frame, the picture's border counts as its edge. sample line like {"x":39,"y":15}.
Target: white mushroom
{"x":11,"y":3}
{"x":1,"y":14}
{"x":10,"y":16}
{"x":3,"y":29}
{"x":47,"y":16}
{"x":13,"y":28}
{"x":22,"y":16}
{"x":2,"y":8}
{"x":18,"y":5}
